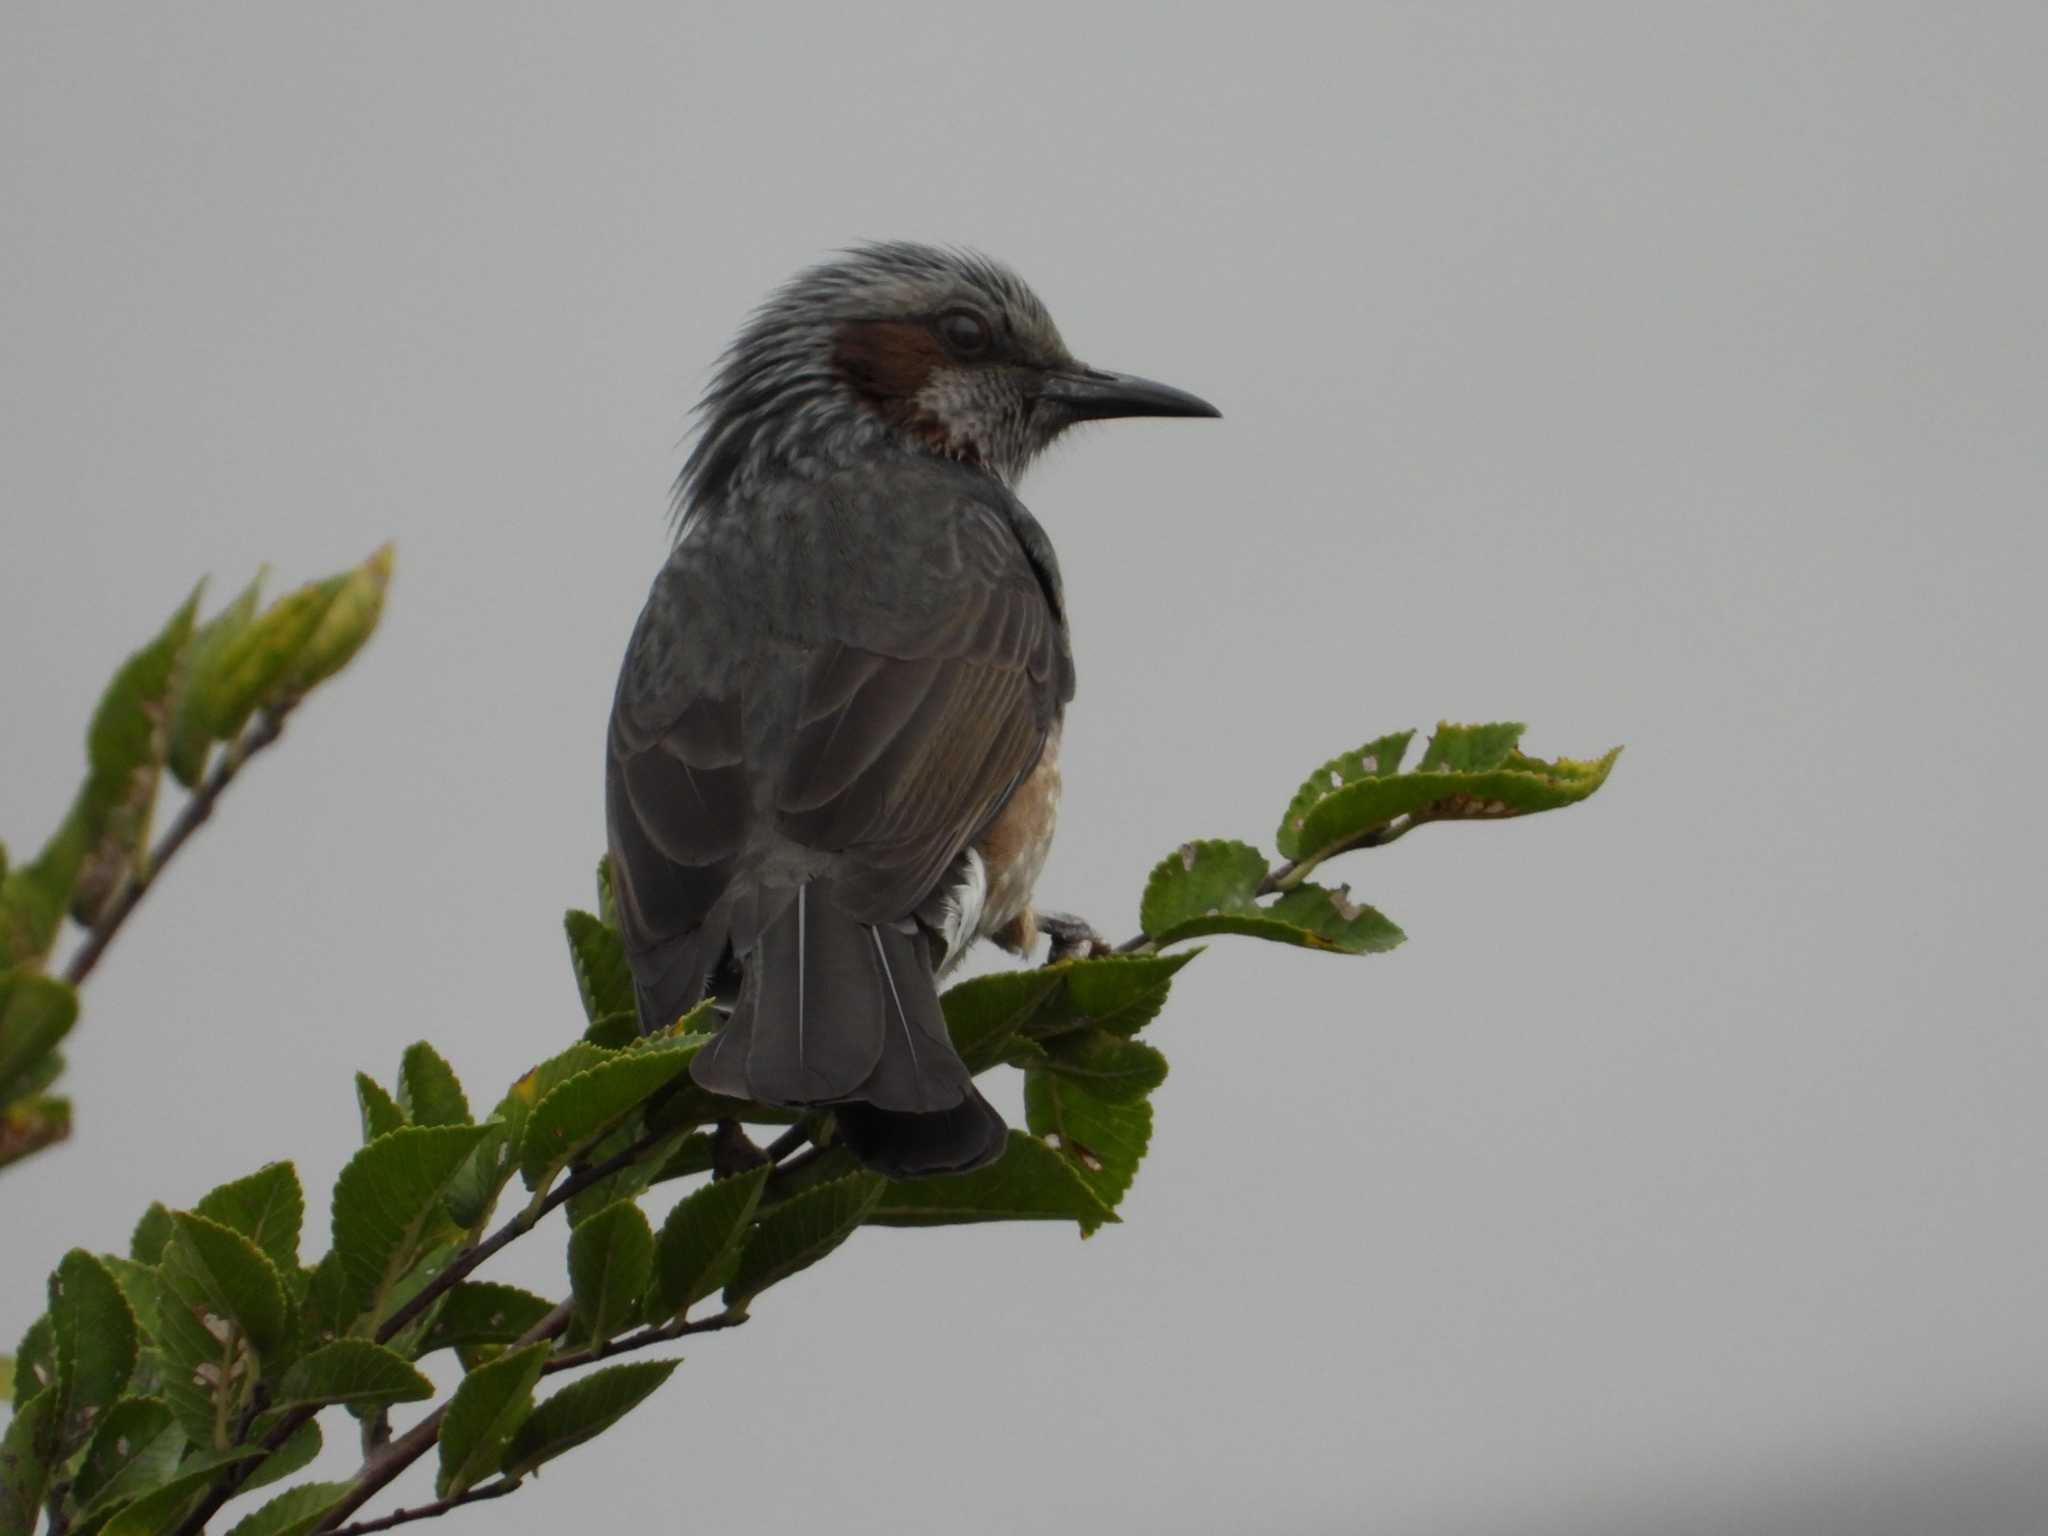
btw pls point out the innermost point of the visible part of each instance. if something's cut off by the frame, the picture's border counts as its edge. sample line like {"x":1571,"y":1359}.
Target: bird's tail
{"x":834,"y":1011}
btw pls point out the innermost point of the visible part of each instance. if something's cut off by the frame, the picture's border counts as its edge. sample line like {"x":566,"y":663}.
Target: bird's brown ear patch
{"x":888,"y":361}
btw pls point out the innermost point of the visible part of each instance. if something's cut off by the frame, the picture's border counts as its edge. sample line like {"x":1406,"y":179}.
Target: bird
{"x":832,"y":760}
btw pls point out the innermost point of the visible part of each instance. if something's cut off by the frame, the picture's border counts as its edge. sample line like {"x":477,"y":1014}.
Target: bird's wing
{"x":861,"y":672}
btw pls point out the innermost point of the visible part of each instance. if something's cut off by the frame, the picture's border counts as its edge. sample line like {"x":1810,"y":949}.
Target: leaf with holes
{"x":583,"y":1410}
{"x":28,"y":1453}
{"x":135,"y":1447}
{"x":222,"y":1312}
{"x":611,"y":1259}
{"x":602,"y":979}
{"x":1103,"y":1141}
{"x":429,"y":1093}
{"x":387,"y":1209}
{"x":354,"y":1372}
{"x":700,"y":1241}
{"x":483,"y":1312}
{"x":590,"y":1104}
{"x":799,"y":1232}
{"x":1029,"y":1182}
{"x":268,"y":1207}
{"x":1374,"y":760}
{"x":96,"y":1341}
{"x":486,"y":1411}
{"x":1468,"y":773}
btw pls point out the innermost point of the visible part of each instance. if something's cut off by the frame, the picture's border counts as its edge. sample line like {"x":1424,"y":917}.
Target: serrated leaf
{"x":379,"y":1110}
{"x":161,"y":1509}
{"x":1102,"y":1141}
{"x":96,"y":1342}
{"x":1376,"y":759}
{"x":34,"y":897}
{"x":799,"y":1232}
{"x":701,"y":1239}
{"x":152,"y":1230}
{"x":1318,"y":917}
{"x":984,"y":1015}
{"x":602,"y":979}
{"x":614,"y":1031}
{"x":485,"y":1413}
{"x":294,"y":1512}
{"x":35,"y":1357}
{"x":36,"y":1012}
{"x":387,"y":1205}
{"x":1213,"y":887}
{"x":611,"y":1259}
{"x":1119,"y":993}
{"x":590,"y":1104}
{"x":583,"y":1410}
{"x":268,"y":1207}
{"x":607,"y":906}
{"x":194,"y":706}
{"x":288,"y":1460}
{"x":429,"y":1093}
{"x":354,"y":1372}
{"x":140,"y":1288}
{"x":1108,"y":1066}
{"x":125,"y":749}
{"x":135,"y":1446}
{"x":1201,"y":879}
{"x":482,"y":1312}
{"x":1502,"y":783}
{"x":211,"y":1265}
{"x":28,"y":1450}
{"x":1029,"y":1182}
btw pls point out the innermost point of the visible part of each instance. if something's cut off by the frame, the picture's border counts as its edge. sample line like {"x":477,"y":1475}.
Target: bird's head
{"x":930,"y":349}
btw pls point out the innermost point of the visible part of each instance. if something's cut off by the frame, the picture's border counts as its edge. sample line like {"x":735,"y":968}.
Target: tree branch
{"x":495,"y":1490}
{"x":267,"y":729}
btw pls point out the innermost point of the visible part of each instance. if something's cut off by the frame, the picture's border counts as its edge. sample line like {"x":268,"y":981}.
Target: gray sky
{"x":1659,"y":375}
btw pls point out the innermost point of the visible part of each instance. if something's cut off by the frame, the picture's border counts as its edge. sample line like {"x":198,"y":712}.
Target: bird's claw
{"x":1073,"y":938}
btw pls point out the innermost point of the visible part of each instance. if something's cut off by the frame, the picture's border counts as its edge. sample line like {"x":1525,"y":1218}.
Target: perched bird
{"x":833,"y":760}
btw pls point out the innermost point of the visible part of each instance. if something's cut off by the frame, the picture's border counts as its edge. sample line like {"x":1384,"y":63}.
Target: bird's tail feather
{"x":834,"y":1011}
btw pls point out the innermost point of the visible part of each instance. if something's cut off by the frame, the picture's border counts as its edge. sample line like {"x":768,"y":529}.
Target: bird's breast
{"x":1014,"y":848}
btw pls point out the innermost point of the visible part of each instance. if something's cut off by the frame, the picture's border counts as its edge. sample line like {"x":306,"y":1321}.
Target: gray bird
{"x":833,"y":761}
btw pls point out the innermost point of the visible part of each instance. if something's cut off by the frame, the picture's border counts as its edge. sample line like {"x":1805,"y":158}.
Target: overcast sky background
{"x":1669,"y":376}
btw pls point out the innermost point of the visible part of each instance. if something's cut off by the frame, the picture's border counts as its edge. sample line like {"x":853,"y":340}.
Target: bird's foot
{"x":1073,"y":938}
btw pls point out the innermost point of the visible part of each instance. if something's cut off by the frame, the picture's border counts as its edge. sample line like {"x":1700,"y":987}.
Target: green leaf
{"x":387,"y":1207}
{"x":96,"y":1342}
{"x":195,"y":704}
{"x":294,"y":1512}
{"x":485,"y":1413}
{"x":268,"y":1207}
{"x":1119,"y":993}
{"x":701,"y":1239}
{"x":351,"y":1371}
{"x":1102,"y":1140}
{"x":1029,"y":1182}
{"x":1469,"y":772}
{"x":428,"y":1091}
{"x":34,"y":897}
{"x":590,"y":1104}
{"x":1376,"y":759}
{"x":607,"y":907}
{"x":35,"y":1013}
{"x":611,"y":1259}
{"x":135,"y":1446}
{"x":154,"y":1230}
{"x":482,"y":1312}
{"x":288,"y":1460}
{"x":6,"y":1378}
{"x":1108,"y":1066}
{"x":35,"y":1358}
{"x":125,"y":749}
{"x":614,"y":1031}
{"x":346,"y":623}
{"x":161,"y":1509}
{"x":1318,"y":917}
{"x":141,"y":1290}
{"x":30,"y":1125}
{"x":799,"y":1232}
{"x":583,"y":1410}
{"x":602,"y":979}
{"x":380,"y":1112}
{"x":1213,"y":887}
{"x":985,"y":1014}
{"x":28,"y":1451}
{"x":209,"y":1265}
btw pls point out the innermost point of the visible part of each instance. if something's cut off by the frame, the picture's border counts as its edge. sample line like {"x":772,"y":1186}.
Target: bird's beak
{"x":1089,"y":394}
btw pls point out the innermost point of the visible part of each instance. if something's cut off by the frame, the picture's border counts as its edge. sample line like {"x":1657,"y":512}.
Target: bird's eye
{"x":965,"y":332}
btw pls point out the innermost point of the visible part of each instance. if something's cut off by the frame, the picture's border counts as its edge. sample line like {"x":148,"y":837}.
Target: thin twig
{"x":494,"y":1490}
{"x":267,"y":729}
